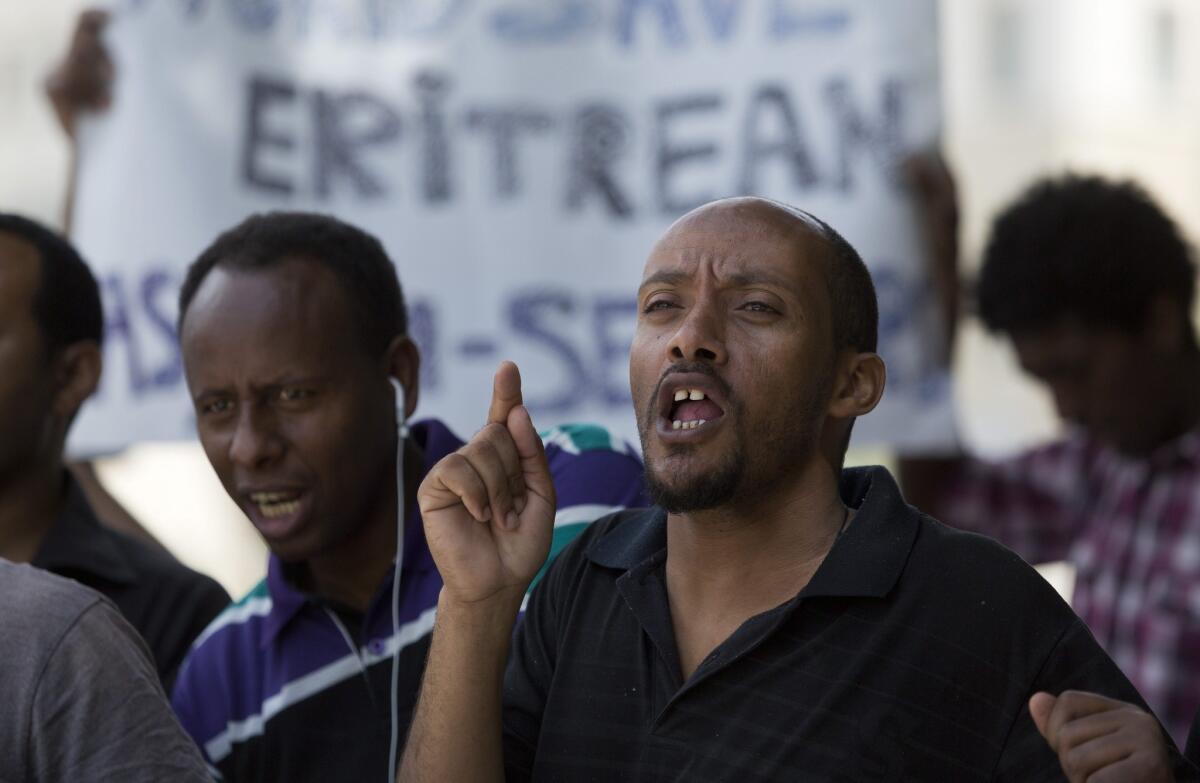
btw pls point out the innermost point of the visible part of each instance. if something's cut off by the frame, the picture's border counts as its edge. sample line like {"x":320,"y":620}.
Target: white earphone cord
{"x":401,"y":434}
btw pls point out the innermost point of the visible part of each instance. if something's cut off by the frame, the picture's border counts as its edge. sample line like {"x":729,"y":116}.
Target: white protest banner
{"x":517,"y":158}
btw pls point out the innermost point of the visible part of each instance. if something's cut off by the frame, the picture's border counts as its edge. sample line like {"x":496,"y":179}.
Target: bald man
{"x":773,"y":616}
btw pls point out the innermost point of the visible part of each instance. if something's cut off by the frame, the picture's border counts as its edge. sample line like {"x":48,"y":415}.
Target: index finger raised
{"x":506,"y":393}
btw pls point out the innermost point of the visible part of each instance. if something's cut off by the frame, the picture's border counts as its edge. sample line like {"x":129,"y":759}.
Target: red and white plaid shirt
{"x":1131,"y":528}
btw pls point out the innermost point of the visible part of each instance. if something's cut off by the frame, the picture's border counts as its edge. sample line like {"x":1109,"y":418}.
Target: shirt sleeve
{"x":1075,"y":663}
{"x":533,"y":655}
{"x":99,"y":712}
{"x":198,"y":702}
{"x":1028,"y":502}
{"x":527,"y":679}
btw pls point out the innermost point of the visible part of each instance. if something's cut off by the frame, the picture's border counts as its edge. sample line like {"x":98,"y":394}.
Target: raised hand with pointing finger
{"x":488,"y":508}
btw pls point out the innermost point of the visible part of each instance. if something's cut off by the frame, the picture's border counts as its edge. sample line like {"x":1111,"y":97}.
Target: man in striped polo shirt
{"x":291,"y":327}
{"x":773,"y":617}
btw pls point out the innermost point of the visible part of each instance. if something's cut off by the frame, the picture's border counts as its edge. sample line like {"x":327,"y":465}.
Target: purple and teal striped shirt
{"x":272,"y":689}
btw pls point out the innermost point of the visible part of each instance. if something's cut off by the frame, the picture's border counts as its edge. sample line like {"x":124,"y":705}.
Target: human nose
{"x":700,"y":336}
{"x":255,"y":441}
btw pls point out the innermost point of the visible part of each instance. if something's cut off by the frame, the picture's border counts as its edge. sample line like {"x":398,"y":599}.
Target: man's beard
{"x":697,"y":492}
{"x":680,"y":487}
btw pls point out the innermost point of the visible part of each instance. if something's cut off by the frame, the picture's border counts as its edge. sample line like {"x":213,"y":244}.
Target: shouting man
{"x":773,"y":616}
{"x":293,"y":327}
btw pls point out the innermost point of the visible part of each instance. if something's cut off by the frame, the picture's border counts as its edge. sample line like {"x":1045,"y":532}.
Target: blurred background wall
{"x":1030,"y":87}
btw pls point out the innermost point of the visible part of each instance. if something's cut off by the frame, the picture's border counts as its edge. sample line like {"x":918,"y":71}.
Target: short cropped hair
{"x":66,"y":306}
{"x":356,"y":259}
{"x":851,"y":290}
{"x":1083,"y":247}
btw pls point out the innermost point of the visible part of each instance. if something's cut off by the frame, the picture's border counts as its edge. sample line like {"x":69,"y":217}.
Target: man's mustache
{"x":698,"y":368}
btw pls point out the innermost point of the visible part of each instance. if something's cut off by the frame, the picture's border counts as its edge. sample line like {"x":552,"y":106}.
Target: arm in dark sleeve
{"x":1075,"y":663}
{"x":527,"y":681}
{"x":99,"y":712}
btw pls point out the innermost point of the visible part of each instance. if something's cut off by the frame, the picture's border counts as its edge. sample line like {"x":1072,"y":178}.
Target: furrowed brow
{"x":665,"y":276}
{"x":750,"y":279}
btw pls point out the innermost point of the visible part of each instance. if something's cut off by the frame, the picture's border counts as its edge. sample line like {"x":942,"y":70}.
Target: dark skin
{"x":732,"y":303}
{"x":1134,"y":390}
{"x":297,"y":419}
{"x":740,"y":290}
{"x":1101,"y":740}
{"x":39,"y":395}
{"x":81,"y":83}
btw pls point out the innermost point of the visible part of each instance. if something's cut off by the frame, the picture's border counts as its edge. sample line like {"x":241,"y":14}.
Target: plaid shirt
{"x":1131,"y":528}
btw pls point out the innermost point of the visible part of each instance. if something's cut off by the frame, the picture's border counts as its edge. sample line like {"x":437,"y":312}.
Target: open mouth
{"x":689,"y":403}
{"x":273,"y":505}
{"x":691,"y":408}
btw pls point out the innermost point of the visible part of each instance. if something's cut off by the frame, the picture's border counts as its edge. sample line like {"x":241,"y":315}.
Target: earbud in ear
{"x":401,"y":406}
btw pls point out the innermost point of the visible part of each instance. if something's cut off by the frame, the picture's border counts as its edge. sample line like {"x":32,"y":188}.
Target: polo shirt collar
{"x":286,"y":599}
{"x":77,"y":543}
{"x":632,"y":542}
{"x":868,"y":558}
{"x":436,"y":441}
{"x":865,"y":561}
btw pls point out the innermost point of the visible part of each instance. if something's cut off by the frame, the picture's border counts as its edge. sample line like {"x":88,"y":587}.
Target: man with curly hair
{"x":1094,"y":285}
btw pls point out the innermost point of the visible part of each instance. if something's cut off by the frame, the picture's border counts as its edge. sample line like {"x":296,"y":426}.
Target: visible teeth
{"x":687,"y":425}
{"x":276,"y":504}
{"x":271,"y":510}
{"x":688,"y":394}
{"x":270,"y":497}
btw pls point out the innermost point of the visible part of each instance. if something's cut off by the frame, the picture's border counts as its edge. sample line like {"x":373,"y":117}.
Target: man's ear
{"x":858,"y":384}
{"x":76,"y":371}
{"x":404,"y":364}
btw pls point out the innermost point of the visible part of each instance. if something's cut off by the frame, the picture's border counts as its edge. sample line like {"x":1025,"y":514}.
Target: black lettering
{"x":881,"y":140}
{"x":670,"y":156}
{"x":261,"y":94}
{"x":788,"y":143}
{"x":599,"y":138}
{"x":432,"y":88}
{"x":503,"y":126}
{"x":338,"y":147}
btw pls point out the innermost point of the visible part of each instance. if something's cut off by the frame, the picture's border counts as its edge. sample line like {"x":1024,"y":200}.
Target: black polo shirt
{"x":165,"y":601}
{"x":911,"y":654}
